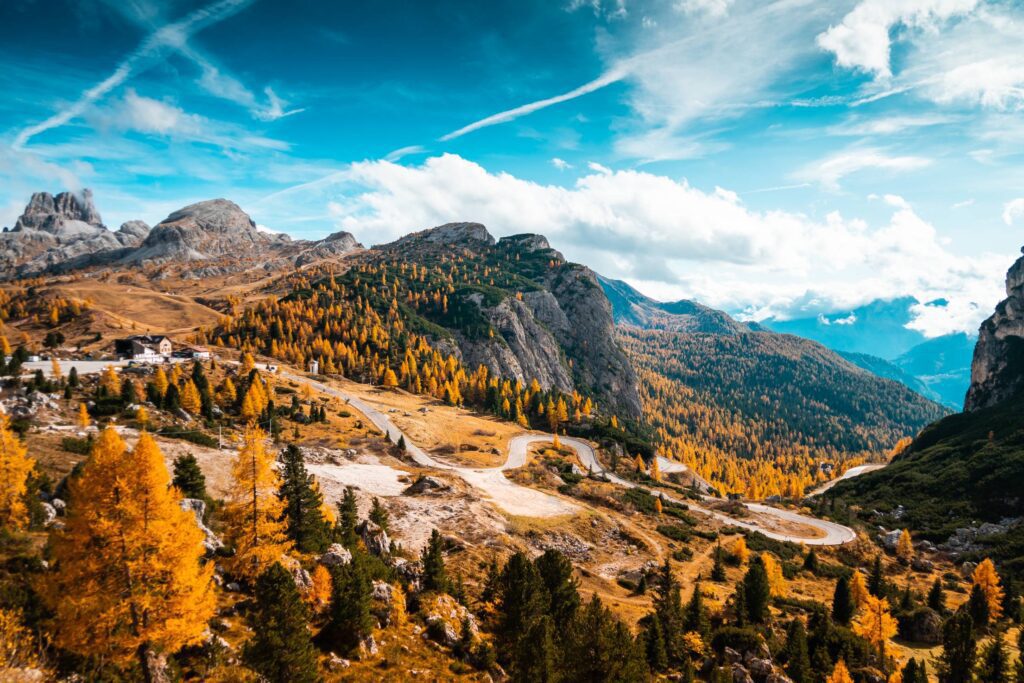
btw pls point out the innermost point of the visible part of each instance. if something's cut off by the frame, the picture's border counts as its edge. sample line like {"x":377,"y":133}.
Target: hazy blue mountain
{"x":878,"y":328}
{"x":887,"y":370}
{"x":942,"y":364}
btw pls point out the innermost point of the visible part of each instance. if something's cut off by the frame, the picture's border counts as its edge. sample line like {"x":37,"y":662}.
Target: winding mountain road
{"x":524,"y":501}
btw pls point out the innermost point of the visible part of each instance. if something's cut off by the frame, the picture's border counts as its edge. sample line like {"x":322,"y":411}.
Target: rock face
{"x":558,"y":330}
{"x":200,"y":232}
{"x":64,"y":232}
{"x":57,"y":231}
{"x":997,"y":372}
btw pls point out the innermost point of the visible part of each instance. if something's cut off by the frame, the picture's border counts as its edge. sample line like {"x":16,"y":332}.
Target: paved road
{"x":832,"y":533}
{"x":523,"y":500}
{"x":848,"y":474}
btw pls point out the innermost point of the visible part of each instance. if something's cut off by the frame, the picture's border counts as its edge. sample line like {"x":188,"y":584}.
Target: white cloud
{"x":715,"y":8}
{"x":829,"y":171}
{"x":561,"y":164}
{"x":888,"y":125}
{"x":671,"y":239}
{"x":862,"y":40}
{"x":1013,"y":210}
{"x":598,"y":168}
{"x":964,"y":204}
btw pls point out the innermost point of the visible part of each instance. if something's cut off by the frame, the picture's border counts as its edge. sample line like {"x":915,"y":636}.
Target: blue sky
{"x":774,"y":158}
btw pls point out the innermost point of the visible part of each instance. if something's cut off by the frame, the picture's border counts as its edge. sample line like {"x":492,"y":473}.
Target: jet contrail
{"x":172,"y":35}
{"x":607,"y":78}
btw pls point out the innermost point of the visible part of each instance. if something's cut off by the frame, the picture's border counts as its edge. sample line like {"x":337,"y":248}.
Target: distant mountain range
{"x":876,"y":337}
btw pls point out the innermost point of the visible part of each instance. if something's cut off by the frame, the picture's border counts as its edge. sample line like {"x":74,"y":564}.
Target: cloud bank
{"x":674,"y":240}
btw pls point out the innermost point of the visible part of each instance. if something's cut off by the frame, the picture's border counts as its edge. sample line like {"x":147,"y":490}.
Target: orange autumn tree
{"x":128,"y":583}
{"x":875,"y":624}
{"x":858,"y":589}
{"x":253,"y":512}
{"x":15,"y":466}
{"x":776,"y":581}
{"x":191,"y":401}
{"x":986,"y":578}
{"x":840,"y":674}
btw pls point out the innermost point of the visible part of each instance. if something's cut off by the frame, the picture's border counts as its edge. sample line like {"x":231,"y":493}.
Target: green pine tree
{"x":798,"y":659}
{"x":536,"y":656}
{"x":842,"y":602}
{"x":977,"y":606}
{"x":959,"y":649}
{"x":189,"y":478}
{"x":281,"y":649}
{"x":654,"y":643}
{"x":718,"y":570}
{"x":435,"y":576}
{"x":556,"y":572}
{"x":876,"y":580}
{"x":936,"y":597}
{"x":668,"y":606}
{"x":602,"y":648}
{"x":695,"y":616}
{"x":302,"y":504}
{"x":756,"y":591}
{"x":522,"y":599}
{"x":350,"y":618}
{"x":379,"y":515}
{"x":348,"y":518}
{"x":994,"y":664}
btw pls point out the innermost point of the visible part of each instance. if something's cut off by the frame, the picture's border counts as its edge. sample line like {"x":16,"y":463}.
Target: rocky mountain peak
{"x":464,"y":234}
{"x":203,"y":231}
{"x":997,"y":372}
{"x":59,"y":214}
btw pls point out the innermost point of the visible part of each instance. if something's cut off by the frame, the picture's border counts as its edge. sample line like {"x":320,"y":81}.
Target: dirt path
{"x":523,"y":501}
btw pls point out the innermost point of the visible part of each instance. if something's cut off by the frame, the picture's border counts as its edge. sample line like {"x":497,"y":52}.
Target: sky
{"x":776,"y":159}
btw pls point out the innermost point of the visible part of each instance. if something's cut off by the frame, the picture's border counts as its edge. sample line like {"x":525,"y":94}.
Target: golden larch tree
{"x":840,"y":674}
{"x":875,"y":624}
{"x":776,"y":581}
{"x":858,"y":589}
{"x":905,"y":547}
{"x":319,"y":594}
{"x":83,"y":416}
{"x":986,"y":578}
{"x":15,"y":466}
{"x":142,"y":417}
{"x":128,"y":583}
{"x":253,"y":512}
{"x":160,"y":382}
{"x":55,"y":371}
{"x":191,"y":401}
{"x":739,"y":550}
{"x":110,"y":381}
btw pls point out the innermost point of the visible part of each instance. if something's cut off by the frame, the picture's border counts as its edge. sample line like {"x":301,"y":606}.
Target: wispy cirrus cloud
{"x":157,"y":44}
{"x":832,"y":169}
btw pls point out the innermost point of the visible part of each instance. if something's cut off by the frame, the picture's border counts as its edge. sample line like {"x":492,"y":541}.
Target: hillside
{"x":754,"y":411}
{"x":942,"y":364}
{"x":515,"y":308}
{"x":967,"y":469}
{"x":758,"y":413}
{"x":886,"y":370}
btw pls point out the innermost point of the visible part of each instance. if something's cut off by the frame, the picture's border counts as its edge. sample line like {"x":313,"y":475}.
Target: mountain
{"x":752,"y":410}
{"x":938,"y":368}
{"x":959,"y":482}
{"x":523,"y":311}
{"x":630,"y":307}
{"x":943,"y":365}
{"x":877,"y":328}
{"x":64,"y":232}
{"x":886,"y":370}
{"x":997,"y":371}
{"x":54,"y":230}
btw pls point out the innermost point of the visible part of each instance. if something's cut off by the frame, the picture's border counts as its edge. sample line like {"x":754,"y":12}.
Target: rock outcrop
{"x":56,"y":231}
{"x":557,"y":329}
{"x":64,"y":232}
{"x":997,"y":372}
{"x":630,"y":307}
{"x":204,"y":231}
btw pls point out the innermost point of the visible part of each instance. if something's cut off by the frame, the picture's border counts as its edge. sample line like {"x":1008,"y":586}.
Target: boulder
{"x":740,"y":674}
{"x":336,"y":555}
{"x":49,"y":514}
{"x":425,"y":484}
{"x":445,"y":617}
{"x":375,"y":538}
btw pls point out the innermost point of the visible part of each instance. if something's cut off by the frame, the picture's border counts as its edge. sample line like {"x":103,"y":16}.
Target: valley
{"x":441,"y":418}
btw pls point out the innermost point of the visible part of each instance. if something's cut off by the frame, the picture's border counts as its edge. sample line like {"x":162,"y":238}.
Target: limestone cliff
{"x":997,"y":372}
